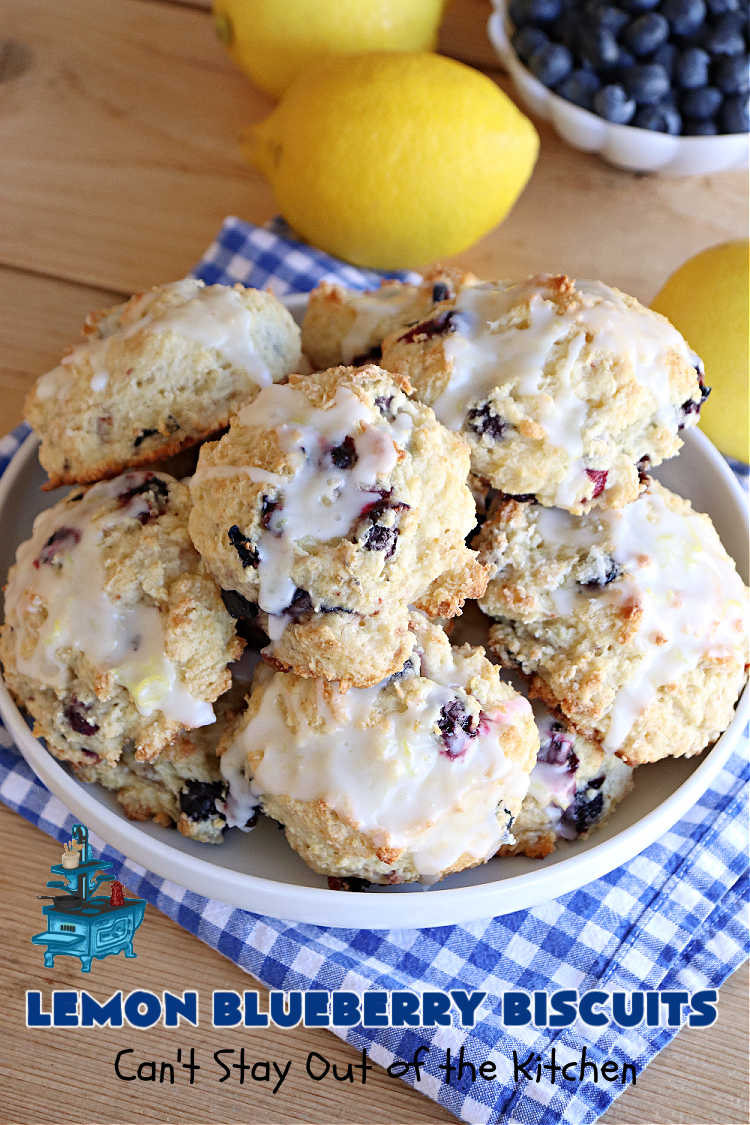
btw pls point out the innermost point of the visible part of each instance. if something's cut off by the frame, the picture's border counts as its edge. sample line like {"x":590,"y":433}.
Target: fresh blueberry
{"x":551,"y":63}
{"x":691,"y":128}
{"x":598,"y":46}
{"x":647,"y":83}
{"x":659,"y":118}
{"x":719,"y":7}
{"x":624,"y":62}
{"x":609,"y":16}
{"x":666,"y":56}
{"x":579,"y":88}
{"x":613,"y":104}
{"x":725,"y":38}
{"x":566,"y":30}
{"x":198,"y":798}
{"x":524,"y":12}
{"x":645,"y":34}
{"x":525,"y":41}
{"x":638,"y":6}
{"x":732,"y":74}
{"x":685,"y":16}
{"x":702,"y":103}
{"x":691,"y":68}
{"x":735,"y":115}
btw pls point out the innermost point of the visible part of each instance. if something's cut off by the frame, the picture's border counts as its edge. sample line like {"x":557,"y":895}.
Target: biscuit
{"x":333,"y":499}
{"x":566,"y":391}
{"x":158,"y":374}
{"x":411,"y":779}
{"x":632,"y":622}
{"x":114,"y":631}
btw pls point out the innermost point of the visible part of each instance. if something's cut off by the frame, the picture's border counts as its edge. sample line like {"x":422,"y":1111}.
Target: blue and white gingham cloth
{"x":673,"y":917}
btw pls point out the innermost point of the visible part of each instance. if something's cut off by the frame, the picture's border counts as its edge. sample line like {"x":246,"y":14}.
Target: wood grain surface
{"x":118,"y":132}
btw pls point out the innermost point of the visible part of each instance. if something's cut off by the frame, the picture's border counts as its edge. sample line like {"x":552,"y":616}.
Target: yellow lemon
{"x":272,"y":40}
{"x":707,"y":299}
{"x":394,"y":160}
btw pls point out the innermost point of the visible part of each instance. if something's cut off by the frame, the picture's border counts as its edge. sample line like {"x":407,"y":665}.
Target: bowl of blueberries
{"x":649,"y":85}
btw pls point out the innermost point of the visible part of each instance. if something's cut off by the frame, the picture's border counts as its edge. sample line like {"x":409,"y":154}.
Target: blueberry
{"x":598,"y":46}
{"x":624,"y":62}
{"x":557,"y":750}
{"x":613,"y":104}
{"x":603,"y":571}
{"x":647,"y":83}
{"x":691,"y":68}
{"x":685,"y":16}
{"x":599,"y":477}
{"x":238,"y":607}
{"x":583,"y":813}
{"x":725,"y":38}
{"x":638,"y":6}
{"x":551,"y":63}
{"x":483,"y":420}
{"x":732,"y":74}
{"x":702,"y":103}
{"x":566,"y":30}
{"x":444,"y":324}
{"x":719,"y":7}
{"x":75,"y":714}
{"x":456,"y":728}
{"x":645,"y":34}
{"x":152,"y":489}
{"x":267,"y":508}
{"x":579,"y":88}
{"x":666,"y":56}
{"x":384,"y":404}
{"x":198,"y":798}
{"x":441,"y":291}
{"x":735,"y":115}
{"x":608,"y":16}
{"x":61,"y":540}
{"x":142,"y":437}
{"x":245,"y":548}
{"x":523,"y":12}
{"x":381,"y":538}
{"x":659,"y":118}
{"x":344,"y":455}
{"x":525,"y":41}
{"x":691,"y":128}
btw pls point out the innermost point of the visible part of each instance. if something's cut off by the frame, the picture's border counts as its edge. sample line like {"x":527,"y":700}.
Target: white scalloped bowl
{"x":637,"y":150}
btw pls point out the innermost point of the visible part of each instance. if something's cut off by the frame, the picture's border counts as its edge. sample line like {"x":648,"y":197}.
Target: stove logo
{"x":83,"y":924}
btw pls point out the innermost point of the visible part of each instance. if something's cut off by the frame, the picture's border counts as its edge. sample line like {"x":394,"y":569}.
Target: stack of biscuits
{"x":420,"y":453}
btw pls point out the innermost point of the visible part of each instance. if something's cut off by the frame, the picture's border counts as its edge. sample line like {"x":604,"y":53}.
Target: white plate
{"x":259,"y":872}
{"x":637,"y":150}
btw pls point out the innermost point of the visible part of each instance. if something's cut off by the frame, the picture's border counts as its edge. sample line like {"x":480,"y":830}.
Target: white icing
{"x":316,"y":499}
{"x":213,"y":316}
{"x":692,"y":601}
{"x":485,"y":356}
{"x":124,"y":639}
{"x":388,"y":778}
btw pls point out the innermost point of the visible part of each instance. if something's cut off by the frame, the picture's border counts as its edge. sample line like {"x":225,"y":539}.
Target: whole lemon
{"x":272,"y":40}
{"x":707,"y":299}
{"x":393,"y":160}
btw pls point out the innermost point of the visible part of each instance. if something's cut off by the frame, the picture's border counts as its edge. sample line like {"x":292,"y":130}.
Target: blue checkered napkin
{"x":673,"y":917}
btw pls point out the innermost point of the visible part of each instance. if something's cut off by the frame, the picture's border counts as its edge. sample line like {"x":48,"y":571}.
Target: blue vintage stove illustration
{"x":80,"y":923}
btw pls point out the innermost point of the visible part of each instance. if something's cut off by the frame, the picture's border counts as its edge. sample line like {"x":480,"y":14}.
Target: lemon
{"x":272,"y":40}
{"x":707,"y":300}
{"x":394,"y":160}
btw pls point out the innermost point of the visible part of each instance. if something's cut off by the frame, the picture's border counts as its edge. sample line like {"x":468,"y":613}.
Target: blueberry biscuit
{"x":115,"y":634}
{"x":574,"y":787}
{"x":158,"y":374}
{"x":333,"y":503}
{"x":632,"y":622}
{"x":347,"y":326}
{"x":566,"y":391}
{"x":182,"y":786}
{"x":414,"y":778}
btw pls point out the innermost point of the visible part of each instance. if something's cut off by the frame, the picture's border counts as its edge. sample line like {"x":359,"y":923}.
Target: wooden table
{"x":118,"y":127}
